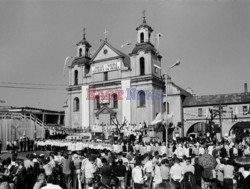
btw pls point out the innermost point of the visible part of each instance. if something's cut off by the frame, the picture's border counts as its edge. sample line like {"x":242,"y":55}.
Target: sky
{"x":211,"y":38}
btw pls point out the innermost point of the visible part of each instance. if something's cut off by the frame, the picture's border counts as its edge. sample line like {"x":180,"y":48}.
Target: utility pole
{"x":219,"y":113}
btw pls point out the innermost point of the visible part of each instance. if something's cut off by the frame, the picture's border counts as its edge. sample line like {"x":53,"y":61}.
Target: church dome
{"x":80,"y":61}
{"x":146,"y":47}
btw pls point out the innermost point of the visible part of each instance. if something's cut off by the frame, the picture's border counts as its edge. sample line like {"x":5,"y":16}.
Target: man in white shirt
{"x":89,"y":170}
{"x":137,"y":176}
{"x":188,"y":166}
{"x":148,"y":168}
{"x":156,"y":174}
{"x":176,"y":174}
{"x":51,"y":186}
{"x":163,"y":148}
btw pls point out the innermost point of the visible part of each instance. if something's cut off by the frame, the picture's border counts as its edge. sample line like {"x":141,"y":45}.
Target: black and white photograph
{"x":124,"y":94}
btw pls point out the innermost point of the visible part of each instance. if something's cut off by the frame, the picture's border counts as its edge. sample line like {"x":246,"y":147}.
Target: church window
{"x":76,"y":77}
{"x":76,"y":105}
{"x":142,"y":66}
{"x":105,"y":76}
{"x":142,"y":37}
{"x":80,"y":52}
{"x":87,"y":52}
{"x":199,"y":112}
{"x":168,"y":108}
{"x":164,"y":106}
{"x":156,"y":70}
{"x":97,"y":102}
{"x":115,"y":101}
{"x":141,"y":99}
{"x":245,"y":110}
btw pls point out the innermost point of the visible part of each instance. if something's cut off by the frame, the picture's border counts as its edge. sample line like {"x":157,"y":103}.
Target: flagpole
{"x":166,"y":97}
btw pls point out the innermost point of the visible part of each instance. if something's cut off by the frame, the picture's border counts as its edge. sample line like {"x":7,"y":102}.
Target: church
{"x":113,"y":86}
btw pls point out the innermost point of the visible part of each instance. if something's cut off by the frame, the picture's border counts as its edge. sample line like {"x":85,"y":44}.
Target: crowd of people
{"x":186,"y":163}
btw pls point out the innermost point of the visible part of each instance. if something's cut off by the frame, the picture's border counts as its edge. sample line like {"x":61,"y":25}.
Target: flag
{"x":66,"y":61}
{"x":158,"y":40}
{"x":158,"y":119}
{"x":168,"y":117}
{"x":126,"y":44}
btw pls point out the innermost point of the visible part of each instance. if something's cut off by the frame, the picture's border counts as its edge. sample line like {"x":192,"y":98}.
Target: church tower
{"x":83,"y":47}
{"x":78,"y":69}
{"x":145,"y":54}
{"x":144,"y":31}
{"x":146,"y":75}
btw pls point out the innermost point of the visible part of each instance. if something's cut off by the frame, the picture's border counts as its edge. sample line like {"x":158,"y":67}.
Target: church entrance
{"x":104,"y":118}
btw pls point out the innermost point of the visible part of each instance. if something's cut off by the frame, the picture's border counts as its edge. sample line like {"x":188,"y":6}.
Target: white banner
{"x":106,"y":67}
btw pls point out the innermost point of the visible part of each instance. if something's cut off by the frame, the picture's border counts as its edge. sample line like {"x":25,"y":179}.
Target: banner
{"x":106,"y":67}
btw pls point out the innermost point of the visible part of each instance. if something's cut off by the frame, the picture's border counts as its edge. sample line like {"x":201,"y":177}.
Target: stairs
{"x":13,"y":126}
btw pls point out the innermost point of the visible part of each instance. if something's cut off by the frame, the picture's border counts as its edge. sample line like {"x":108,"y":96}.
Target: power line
{"x":42,"y":84}
{"x":36,"y":88}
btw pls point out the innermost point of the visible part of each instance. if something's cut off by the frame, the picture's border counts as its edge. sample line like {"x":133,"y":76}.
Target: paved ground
{"x":22,"y":155}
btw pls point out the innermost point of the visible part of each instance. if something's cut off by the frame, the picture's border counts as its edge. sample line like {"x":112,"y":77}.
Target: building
{"x":111,"y":84}
{"x":17,"y":122}
{"x":233,"y":119}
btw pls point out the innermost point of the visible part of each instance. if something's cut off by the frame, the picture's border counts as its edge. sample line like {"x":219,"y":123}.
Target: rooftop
{"x":208,"y":100}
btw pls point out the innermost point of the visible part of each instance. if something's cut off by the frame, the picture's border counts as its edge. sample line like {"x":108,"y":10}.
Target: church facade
{"x":113,"y":86}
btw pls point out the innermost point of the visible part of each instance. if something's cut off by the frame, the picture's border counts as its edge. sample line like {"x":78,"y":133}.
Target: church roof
{"x":105,"y":109}
{"x":145,"y":25}
{"x":208,"y":100}
{"x":84,"y":41}
{"x":80,"y":61}
{"x":146,"y":47}
{"x":126,"y":61}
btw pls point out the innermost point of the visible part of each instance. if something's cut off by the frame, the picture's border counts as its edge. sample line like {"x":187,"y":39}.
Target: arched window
{"x":76,"y":104}
{"x":168,"y":108}
{"x":80,"y":52}
{"x":141,"y":99}
{"x":142,"y":66}
{"x":76,"y":77}
{"x":97,"y":102}
{"x":142,"y":37}
{"x":115,"y":101}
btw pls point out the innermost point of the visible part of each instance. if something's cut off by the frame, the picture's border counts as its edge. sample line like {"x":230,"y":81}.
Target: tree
{"x":119,"y":126}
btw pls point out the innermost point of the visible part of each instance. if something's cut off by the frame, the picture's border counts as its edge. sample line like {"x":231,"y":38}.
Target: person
{"x":165,"y":171}
{"x":176,"y":175}
{"x":89,"y":170}
{"x":48,"y":168}
{"x":51,"y":186}
{"x":76,"y":171}
{"x":246,"y":177}
{"x":120,"y":171}
{"x":105,"y":172}
{"x":156,"y":174}
{"x":40,"y":182}
{"x":148,"y":168}
{"x":137,"y":175}
{"x":66,"y":169}
{"x":228,"y":171}
{"x":198,"y":169}
{"x":188,"y":167}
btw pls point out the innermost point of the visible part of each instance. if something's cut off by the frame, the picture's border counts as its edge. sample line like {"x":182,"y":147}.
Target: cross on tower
{"x":144,"y":15}
{"x":105,"y":34}
{"x":84,"y":30}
